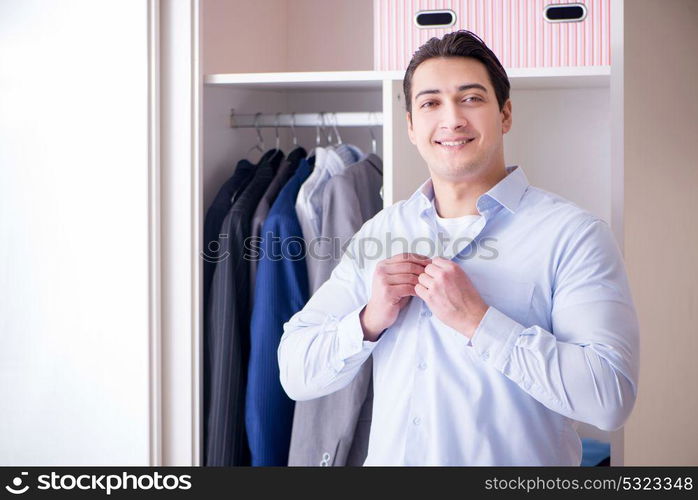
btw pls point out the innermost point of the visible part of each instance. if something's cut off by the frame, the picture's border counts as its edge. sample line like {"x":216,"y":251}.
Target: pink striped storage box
{"x":515,"y":30}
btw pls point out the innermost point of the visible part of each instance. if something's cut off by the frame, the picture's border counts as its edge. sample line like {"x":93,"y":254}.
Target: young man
{"x":488,"y":349}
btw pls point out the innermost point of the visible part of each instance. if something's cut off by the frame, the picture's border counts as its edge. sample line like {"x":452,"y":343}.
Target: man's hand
{"x":451,"y":296}
{"x":394,"y":281}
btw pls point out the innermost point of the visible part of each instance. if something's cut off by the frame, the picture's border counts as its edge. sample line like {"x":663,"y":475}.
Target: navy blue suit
{"x":281,"y":289}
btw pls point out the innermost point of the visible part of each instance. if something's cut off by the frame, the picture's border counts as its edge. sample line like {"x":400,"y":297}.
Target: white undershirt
{"x":452,"y":230}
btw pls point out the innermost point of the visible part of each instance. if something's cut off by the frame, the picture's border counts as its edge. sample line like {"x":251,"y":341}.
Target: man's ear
{"x":410,"y":129}
{"x":506,"y":117}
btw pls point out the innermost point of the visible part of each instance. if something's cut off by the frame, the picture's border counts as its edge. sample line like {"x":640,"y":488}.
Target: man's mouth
{"x":454,"y":144}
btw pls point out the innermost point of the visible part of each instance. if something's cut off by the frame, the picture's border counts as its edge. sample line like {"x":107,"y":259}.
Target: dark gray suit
{"x":227,"y":327}
{"x":287,"y":168}
{"x":225,"y":198}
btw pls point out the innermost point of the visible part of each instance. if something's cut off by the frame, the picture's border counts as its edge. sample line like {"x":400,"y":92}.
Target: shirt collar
{"x":507,"y":192}
{"x":349,"y":153}
{"x":327,"y":159}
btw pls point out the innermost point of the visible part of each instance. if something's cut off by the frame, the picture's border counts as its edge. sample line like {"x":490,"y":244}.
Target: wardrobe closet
{"x":561,"y":135}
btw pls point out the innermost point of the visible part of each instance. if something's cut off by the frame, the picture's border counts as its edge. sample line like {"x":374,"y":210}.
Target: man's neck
{"x":458,"y":198}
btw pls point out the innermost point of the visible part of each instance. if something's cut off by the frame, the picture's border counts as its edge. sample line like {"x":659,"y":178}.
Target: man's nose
{"x":453,"y":118}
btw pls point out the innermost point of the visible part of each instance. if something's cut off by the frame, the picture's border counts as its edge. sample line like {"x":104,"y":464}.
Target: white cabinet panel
{"x":74,"y":225}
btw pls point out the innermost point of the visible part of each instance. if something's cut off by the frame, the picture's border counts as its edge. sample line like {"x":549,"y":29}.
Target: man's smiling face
{"x":456,"y":122}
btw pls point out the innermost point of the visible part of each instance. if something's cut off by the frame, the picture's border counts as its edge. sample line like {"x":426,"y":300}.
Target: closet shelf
{"x":521,"y":78}
{"x":330,"y":80}
{"x":561,"y":77}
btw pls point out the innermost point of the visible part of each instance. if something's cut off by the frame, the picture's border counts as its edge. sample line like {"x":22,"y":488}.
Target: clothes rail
{"x":323,"y":119}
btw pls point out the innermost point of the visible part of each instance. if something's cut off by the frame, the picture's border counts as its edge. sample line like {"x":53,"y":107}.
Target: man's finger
{"x":422,"y":292}
{"x":426,"y":281}
{"x":402,"y":279}
{"x":404,"y":267}
{"x":399,"y":291}
{"x":441,"y":262}
{"x":408,"y":257}
{"x":433,"y":270}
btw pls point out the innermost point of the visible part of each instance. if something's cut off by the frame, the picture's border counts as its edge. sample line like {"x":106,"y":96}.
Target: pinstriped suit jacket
{"x":228,"y":327}
{"x":225,"y":198}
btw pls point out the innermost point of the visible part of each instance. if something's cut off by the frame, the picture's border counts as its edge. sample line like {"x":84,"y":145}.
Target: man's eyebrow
{"x":469,"y":86}
{"x":466,"y":86}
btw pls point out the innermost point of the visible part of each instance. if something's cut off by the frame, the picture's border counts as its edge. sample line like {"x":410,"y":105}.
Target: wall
{"x":330,"y":35}
{"x":247,"y":36}
{"x":236,"y":41}
{"x":571,"y":161}
{"x":74,"y":220}
{"x":661,"y":234}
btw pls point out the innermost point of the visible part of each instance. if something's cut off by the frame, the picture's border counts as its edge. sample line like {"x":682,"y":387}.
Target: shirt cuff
{"x":350,"y":336}
{"x":495,"y":337}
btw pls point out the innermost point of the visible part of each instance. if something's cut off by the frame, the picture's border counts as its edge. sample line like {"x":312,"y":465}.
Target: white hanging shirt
{"x":328,"y":162}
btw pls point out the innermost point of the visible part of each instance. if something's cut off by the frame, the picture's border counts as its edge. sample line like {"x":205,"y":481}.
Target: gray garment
{"x":359,"y":446}
{"x":286,"y":170}
{"x":350,"y":198}
{"x":327,"y":431}
{"x":333,"y":430}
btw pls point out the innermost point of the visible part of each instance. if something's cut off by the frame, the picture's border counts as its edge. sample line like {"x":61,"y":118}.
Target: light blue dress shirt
{"x":558,"y":344}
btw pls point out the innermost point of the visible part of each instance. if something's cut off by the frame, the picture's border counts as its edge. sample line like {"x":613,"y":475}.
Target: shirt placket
{"x":417,"y":423}
{"x":416,"y":439}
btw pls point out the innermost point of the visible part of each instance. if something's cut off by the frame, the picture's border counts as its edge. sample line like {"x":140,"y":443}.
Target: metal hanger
{"x":336,"y":132}
{"x":260,"y":140}
{"x":317,"y":131}
{"x":276,"y":131}
{"x":370,"y":132}
{"x":325,"y":129}
{"x":293,"y":129}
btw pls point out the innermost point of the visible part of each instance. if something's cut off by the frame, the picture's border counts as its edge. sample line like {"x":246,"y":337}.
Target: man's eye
{"x":474,"y":98}
{"x":427,"y":104}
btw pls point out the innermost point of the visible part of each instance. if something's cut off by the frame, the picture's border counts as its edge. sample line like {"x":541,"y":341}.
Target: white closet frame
{"x":198,"y":154}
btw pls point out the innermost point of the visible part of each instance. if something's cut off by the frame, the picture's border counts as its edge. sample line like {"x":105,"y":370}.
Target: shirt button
{"x":527,"y":385}
{"x":423,"y":365}
{"x":486,"y":355}
{"x":426,"y":314}
{"x":416,"y":421}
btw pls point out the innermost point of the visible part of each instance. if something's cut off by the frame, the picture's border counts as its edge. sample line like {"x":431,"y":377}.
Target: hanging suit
{"x":228,"y":328}
{"x":219,"y":208}
{"x":281,"y":290}
{"x":334,"y":430}
{"x":286,"y":170}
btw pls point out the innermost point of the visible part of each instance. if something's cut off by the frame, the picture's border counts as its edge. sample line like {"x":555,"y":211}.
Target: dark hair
{"x":461,"y":43}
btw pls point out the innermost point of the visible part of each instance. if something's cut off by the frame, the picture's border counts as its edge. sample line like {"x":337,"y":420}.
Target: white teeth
{"x":453,"y":143}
